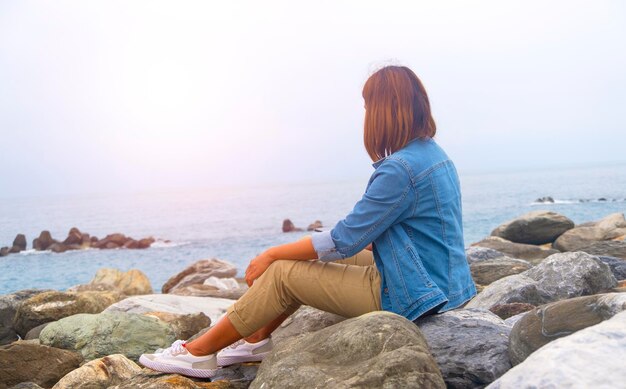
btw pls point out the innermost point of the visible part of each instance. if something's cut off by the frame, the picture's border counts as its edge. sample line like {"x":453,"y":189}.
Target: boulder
{"x":548,"y":322}
{"x":478,"y":254}
{"x":545,"y":199}
{"x":306,"y":319}
{"x":470,"y":346}
{"x":145,"y":243}
{"x":130,"y":283}
{"x":214,"y":308}
{"x":560,"y":276}
{"x":612,"y":222}
{"x":100,"y":373}
{"x":26,"y":385}
{"x":378,"y":349}
{"x":288,"y":226}
{"x":536,"y":227}
{"x":9,"y":305}
{"x":505,"y":311}
{"x":74,"y":237}
{"x":44,"y":241}
{"x":99,"y":335}
{"x":578,"y":237}
{"x":131,"y":244}
{"x":149,"y":379}
{"x":58,"y":248}
{"x":50,"y":306}
{"x":4,"y":251}
{"x":514,"y":319}
{"x":33,"y":333}
{"x":198,"y":272}
{"x":20,"y":242}
{"x":487,"y":271}
{"x":617,"y":265}
{"x":184,"y":325}
{"x":533,"y":254}
{"x":608,"y":248}
{"x":200,"y":290}
{"x":315,"y":225}
{"x":590,"y":358}
{"x":28,"y":361}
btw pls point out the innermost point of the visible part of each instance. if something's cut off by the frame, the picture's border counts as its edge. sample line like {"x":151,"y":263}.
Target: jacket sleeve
{"x":387,"y":197}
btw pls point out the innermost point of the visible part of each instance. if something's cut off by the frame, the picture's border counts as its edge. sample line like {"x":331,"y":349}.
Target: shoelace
{"x":235,"y":345}
{"x":176,"y":348}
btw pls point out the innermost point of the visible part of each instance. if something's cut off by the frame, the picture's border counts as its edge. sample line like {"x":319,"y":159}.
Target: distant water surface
{"x":236,"y":224}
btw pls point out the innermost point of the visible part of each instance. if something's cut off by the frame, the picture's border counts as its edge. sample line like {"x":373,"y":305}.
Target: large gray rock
{"x":470,"y":346}
{"x":378,"y":349}
{"x":478,"y":254}
{"x":130,"y":283}
{"x":558,"y":277}
{"x":9,"y":305}
{"x":198,"y":272}
{"x":609,"y":248}
{"x":50,"y":306}
{"x":28,"y":361}
{"x":184,"y":325}
{"x":305,"y":320}
{"x":544,"y":324}
{"x":617,"y":265}
{"x":590,"y":358}
{"x":490,"y":270}
{"x":100,"y":373}
{"x":531,"y":253}
{"x":99,"y":335}
{"x":536,"y":227}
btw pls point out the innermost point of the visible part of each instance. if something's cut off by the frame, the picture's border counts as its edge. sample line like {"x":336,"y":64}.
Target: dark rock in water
{"x":531,"y":253}
{"x":609,"y":248}
{"x":9,"y":305}
{"x":118,"y":239}
{"x":547,"y":199}
{"x":509,"y":310}
{"x":58,"y":248}
{"x":5,"y":251}
{"x":111,"y":245}
{"x":74,"y":237}
{"x":548,"y":322}
{"x":315,"y":225}
{"x":131,"y":244}
{"x":602,"y":199}
{"x":469,"y":345}
{"x":29,"y":361}
{"x":288,"y":226}
{"x":377,"y":350}
{"x":93,"y":239}
{"x":537,"y":227}
{"x":20,"y":242}
{"x":617,"y":265}
{"x":44,"y":241}
{"x":145,"y":243}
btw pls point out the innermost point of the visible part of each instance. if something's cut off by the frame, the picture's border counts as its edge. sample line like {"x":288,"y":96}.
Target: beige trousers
{"x":350,"y":287}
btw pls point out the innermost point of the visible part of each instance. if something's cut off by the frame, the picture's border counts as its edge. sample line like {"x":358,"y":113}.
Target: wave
{"x":550,"y":200}
{"x":167,"y":244}
{"x":34,"y":252}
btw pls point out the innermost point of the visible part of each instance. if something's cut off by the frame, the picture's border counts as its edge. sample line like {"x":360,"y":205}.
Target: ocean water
{"x":237,"y":223}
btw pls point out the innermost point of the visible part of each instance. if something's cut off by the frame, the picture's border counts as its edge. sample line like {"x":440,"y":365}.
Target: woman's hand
{"x":257,"y":267}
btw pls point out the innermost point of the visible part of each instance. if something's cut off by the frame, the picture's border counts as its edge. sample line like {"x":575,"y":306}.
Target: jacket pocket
{"x":419,"y":267}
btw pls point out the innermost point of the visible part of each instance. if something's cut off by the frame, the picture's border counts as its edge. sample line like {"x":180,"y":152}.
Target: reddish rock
{"x":131,"y":244}
{"x":316,"y":224}
{"x":145,"y":243}
{"x":58,"y":248}
{"x":288,"y":226}
{"x":111,"y":245}
{"x":4,"y":251}
{"x":44,"y":241}
{"x":74,"y":237}
{"x":20,"y":242}
{"x":508,"y":310}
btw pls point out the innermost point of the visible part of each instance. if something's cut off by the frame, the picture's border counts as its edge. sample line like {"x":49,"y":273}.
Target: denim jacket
{"x":411,"y":212}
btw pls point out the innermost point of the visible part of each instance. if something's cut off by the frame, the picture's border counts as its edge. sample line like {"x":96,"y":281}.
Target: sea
{"x":235,"y":224}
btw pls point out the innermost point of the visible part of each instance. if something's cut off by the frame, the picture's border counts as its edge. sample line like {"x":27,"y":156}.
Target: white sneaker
{"x":242,"y":351}
{"x":176,"y":359}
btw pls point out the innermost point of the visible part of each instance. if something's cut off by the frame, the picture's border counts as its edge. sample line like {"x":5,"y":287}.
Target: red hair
{"x":397,"y":111}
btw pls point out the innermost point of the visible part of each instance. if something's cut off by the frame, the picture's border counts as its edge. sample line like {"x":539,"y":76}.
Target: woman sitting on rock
{"x":401,"y":248}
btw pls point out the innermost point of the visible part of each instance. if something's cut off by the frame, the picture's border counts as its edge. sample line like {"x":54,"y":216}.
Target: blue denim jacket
{"x":411,"y":211}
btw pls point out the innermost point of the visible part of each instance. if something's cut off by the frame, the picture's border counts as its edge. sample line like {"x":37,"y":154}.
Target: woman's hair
{"x":396,"y":111}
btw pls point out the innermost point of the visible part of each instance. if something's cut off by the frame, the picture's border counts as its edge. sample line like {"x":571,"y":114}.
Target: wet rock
{"x":288,"y":226}
{"x":9,"y":305}
{"x":74,"y":237}
{"x":145,"y":243}
{"x":546,"y":199}
{"x":558,"y":277}
{"x":478,"y":254}
{"x":470,"y":346}
{"x":306,"y":319}
{"x":378,"y":349}
{"x":5,"y":251}
{"x":531,"y":253}
{"x":100,"y":373}
{"x":58,"y":248}
{"x":50,"y":306}
{"x":27,"y":361}
{"x":487,"y":271}
{"x":617,"y":265}
{"x":590,"y":358}
{"x":537,"y":227}
{"x":214,"y":308}
{"x":313,"y":226}
{"x":548,"y":322}
{"x":130,"y":283}
{"x":607,"y":248}
{"x":19,"y":243}
{"x":131,"y":244}
{"x":44,"y":241}
{"x":505,"y":311}
{"x":184,"y":325}
{"x":99,"y":335}
{"x":198,"y":272}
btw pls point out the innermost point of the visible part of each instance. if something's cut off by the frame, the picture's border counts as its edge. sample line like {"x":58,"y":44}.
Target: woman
{"x":409,"y":216}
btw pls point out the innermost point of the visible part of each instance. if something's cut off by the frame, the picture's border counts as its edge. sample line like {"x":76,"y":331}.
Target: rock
{"x":100,"y":373}
{"x":50,"y":306}
{"x":145,"y":243}
{"x":612,"y":221}
{"x":74,"y":237}
{"x":514,"y":319}
{"x":505,"y":311}
{"x":560,"y":276}
{"x":198,"y":272}
{"x":548,"y":322}
{"x":578,"y":237}
{"x":470,"y":346}
{"x":222,"y":283}
{"x":33,"y":334}
{"x":477,"y":254}
{"x":214,"y":308}
{"x":590,"y":358}
{"x":27,"y":361}
{"x":20,"y":242}
{"x":200,"y":290}
{"x":306,"y":319}
{"x":184,"y":325}
{"x":131,"y":244}
{"x":118,"y":239}
{"x":313,"y":226}
{"x":130,"y":283}
{"x":5,"y":251}
{"x":606,"y":248}
{"x":547,"y":199}
{"x":533,"y":254}
{"x":44,"y":241}
{"x":488,"y":271}
{"x":149,"y":379}
{"x":58,"y":248}
{"x":378,"y":349}
{"x":288,"y":226}
{"x":26,"y":385}
{"x":99,"y":335}
{"x":617,"y":265}
{"x":536,"y":227}
{"x":9,"y":305}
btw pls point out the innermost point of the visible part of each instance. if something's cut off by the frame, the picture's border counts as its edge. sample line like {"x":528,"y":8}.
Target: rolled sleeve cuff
{"x":325,"y":247}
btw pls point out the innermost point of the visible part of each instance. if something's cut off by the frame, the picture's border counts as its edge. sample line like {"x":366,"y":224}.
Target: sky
{"x":131,"y":96}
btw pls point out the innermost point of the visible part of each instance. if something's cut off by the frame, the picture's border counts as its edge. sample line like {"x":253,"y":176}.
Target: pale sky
{"x":113,"y":96}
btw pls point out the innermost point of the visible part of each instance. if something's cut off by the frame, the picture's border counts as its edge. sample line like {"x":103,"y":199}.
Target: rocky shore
{"x":551,"y":312}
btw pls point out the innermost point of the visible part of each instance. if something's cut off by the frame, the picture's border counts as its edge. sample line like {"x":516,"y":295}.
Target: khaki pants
{"x":350,"y":287}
